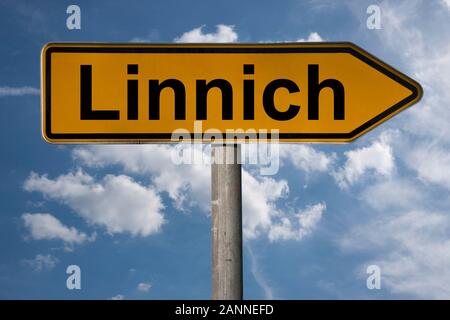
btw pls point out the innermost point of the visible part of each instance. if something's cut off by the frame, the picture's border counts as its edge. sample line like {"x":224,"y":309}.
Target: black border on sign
{"x":416,"y":90}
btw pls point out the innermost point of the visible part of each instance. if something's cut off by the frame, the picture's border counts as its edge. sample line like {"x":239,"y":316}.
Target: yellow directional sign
{"x":136,"y":93}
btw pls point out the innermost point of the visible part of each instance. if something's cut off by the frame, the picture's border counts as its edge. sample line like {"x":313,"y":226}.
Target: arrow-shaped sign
{"x":305,"y":92}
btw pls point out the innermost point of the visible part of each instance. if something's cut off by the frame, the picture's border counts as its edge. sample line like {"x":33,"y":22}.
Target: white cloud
{"x":257,"y":274}
{"x":224,"y":33}
{"x":425,"y":54}
{"x":427,"y":151}
{"x":118,"y":297}
{"x":41,"y":262}
{"x":186,"y":184}
{"x":395,"y":17}
{"x":446,"y":3}
{"x":259,"y":198}
{"x":296,"y":229}
{"x":306,"y":158}
{"x":409,"y":240}
{"x":44,"y":226}
{"x":144,"y":287}
{"x":377,"y":158}
{"x":392,"y":194}
{"x":189,"y":185}
{"x":412,"y":249}
{"x":262,"y":216}
{"x":312,"y":37}
{"x":432,"y":164}
{"x":429,"y":120}
{"x":117,"y":202}
{"x":18,"y":91}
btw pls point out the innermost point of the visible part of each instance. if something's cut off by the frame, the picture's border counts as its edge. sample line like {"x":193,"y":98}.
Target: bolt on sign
{"x":138,"y":93}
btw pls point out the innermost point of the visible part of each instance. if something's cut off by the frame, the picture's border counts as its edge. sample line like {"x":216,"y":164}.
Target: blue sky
{"x":138,"y":225}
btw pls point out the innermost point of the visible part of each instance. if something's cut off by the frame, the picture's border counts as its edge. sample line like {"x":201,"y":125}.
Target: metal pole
{"x":226,"y":226}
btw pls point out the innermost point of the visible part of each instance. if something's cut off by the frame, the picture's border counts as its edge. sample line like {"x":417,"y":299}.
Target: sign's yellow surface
{"x":136,"y":93}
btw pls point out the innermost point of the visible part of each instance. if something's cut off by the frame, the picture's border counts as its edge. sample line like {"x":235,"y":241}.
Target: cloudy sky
{"x":138,"y":225}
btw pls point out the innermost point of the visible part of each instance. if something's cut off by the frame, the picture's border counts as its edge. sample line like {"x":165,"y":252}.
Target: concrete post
{"x":226,"y":226}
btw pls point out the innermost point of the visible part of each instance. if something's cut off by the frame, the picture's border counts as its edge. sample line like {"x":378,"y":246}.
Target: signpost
{"x":144,"y":93}
{"x":226,"y":226}
{"x":135,"y":93}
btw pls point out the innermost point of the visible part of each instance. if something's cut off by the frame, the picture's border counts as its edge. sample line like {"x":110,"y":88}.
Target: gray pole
{"x":226,"y":229}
